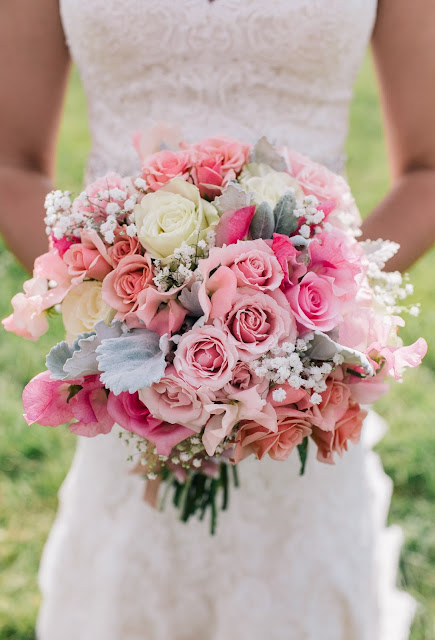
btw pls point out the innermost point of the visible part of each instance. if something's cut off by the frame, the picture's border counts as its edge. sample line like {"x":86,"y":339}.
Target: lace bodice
{"x":283,"y":68}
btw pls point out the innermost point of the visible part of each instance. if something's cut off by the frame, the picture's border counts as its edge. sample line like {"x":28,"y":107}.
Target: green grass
{"x":33,"y":462}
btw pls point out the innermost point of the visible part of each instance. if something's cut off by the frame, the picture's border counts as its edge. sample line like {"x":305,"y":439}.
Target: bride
{"x":294,"y":558}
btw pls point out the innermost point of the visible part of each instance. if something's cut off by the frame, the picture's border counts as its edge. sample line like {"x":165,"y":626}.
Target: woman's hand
{"x":33,"y":75}
{"x":404,"y":53}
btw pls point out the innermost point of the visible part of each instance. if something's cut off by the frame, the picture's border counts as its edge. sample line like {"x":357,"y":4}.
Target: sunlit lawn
{"x":33,"y":460}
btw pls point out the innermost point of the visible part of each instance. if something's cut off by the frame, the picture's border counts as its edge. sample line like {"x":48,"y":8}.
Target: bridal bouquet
{"x":217,"y":306}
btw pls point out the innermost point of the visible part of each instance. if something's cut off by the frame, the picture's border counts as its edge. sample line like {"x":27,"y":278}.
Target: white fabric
{"x":294,"y":558}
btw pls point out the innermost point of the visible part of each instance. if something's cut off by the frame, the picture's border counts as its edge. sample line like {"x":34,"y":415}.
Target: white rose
{"x":266,"y":184}
{"x":82,"y":308}
{"x":172,"y":215}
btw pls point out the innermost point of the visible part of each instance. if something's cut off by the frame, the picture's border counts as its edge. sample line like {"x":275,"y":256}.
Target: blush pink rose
{"x":314,"y":303}
{"x":175,"y":401}
{"x":347,"y":429}
{"x":287,"y":256}
{"x":315,"y":179}
{"x":251,"y":262}
{"x":205,"y":357}
{"x":257,"y":322}
{"x":230,"y":154}
{"x":122,"y":286}
{"x":207,"y":176}
{"x":129,"y":412}
{"x":85,"y":261}
{"x":123,"y":246}
{"x":252,"y":438}
{"x":164,"y":165}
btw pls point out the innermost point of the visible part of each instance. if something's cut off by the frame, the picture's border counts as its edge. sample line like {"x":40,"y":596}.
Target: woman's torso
{"x":282,"y":68}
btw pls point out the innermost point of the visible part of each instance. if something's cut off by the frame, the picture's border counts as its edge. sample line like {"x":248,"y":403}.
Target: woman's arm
{"x":404,"y":53}
{"x":33,"y":75}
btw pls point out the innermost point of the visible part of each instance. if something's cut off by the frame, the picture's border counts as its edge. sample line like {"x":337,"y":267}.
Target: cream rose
{"x":172,"y":215}
{"x":82,"y":308}
{"x":266,"y":184}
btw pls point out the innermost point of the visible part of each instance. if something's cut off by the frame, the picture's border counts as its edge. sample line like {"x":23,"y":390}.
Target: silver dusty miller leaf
{"x":264,"y":152}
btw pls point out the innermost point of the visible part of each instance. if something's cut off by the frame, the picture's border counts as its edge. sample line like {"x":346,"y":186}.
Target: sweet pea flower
{"x":287,"y":256}
{"x":89,"y":408}
{"x":157,"y":311}
{"x":242,"y":405}
{"x":398,"y":358}
{"x":335,"y":256}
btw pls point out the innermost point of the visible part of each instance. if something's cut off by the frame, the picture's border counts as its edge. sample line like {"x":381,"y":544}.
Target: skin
{"x":35,"y":70}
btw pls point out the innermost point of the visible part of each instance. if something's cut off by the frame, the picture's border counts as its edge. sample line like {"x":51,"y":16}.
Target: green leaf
{"x":285,"y":220}
{"x":303,"y":455}
{"x":263,"y":222}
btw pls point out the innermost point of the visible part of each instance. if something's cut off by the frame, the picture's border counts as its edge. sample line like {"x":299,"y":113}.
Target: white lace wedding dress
{"x":294,"y":558}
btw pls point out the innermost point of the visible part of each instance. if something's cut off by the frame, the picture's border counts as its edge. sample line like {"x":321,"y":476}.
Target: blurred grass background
{"x":34,"y":460}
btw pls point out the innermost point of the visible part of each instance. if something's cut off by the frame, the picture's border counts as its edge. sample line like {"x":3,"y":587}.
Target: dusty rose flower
{"x":123,"y":246}
{"x":175,"y":401}
{"x":257,"y":322}
{"x":335,"y":402}
{"x":243,"y":379}
{"x":164,"y":165}
{"x":347,"y":429}
{"x":122,"y":286}
{"x":205,"y":357}
{"x":314,"y":303}
{"x":258,"y":269}
{"x":85,"y":261}
{"x":293,"y":427}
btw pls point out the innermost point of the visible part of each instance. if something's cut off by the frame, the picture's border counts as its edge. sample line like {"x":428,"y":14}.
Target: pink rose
{"x":230,"y":154}
{"x":123,"y":246}
{"x":287,"y":256}
{"x":205,"y":357}
{"x":175,"y":401}
{"x":315,"y":179}
{"x":251,"y":262}
{"x":257,"y":322}
{"x":252,"y":438}
{"x":85,"y":261}
{"x":243,"y":378}
{"x":292,"y":396}
{"x":335,"y":402}
{"x":347,"y":429}
{"x":314,"y":303}
{"x":332,"y":255}
{"x":164,"y":165}
{"x":129,"y":412}
{"x":122,"y":286}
